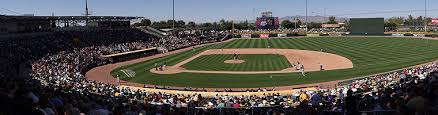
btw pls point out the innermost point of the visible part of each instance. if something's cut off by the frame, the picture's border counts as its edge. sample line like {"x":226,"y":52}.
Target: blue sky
{"x":213,"y":10}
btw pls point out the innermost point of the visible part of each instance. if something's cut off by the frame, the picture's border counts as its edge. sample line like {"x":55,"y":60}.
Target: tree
{"x":245,"y":25}
{"x":429,"y":20}
{"x":215,"y":26}
{"x":391,"y":25}
{"x":191,"y":24}
{"x":155,"y":24}
{"x":396,"y":20}
{"x":162,"y":24}
{"x":314,"y":25}
{"x":420,"y":21}
{"x":146,"y":22}
{"x":298,"y":23}
{"x":143,"y":22}
{"x":207,"y":25}
{"x":286,"y":24}
{"x":332,"y":20}
{"x":136,"y":24}
{"x":410,"y":20}
{"x":180,"y":23}
{"x":346,"y":24}
{"x":225,"y":25}
{"x":170,"y":23}
{"x":228,"y":25}
{"x":251,"y":26}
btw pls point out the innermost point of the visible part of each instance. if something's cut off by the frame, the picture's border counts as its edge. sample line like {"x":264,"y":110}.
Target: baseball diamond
{"x":370,"y":55}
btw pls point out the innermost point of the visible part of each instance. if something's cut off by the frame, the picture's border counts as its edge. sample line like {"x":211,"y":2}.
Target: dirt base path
{"x":234,"y":61}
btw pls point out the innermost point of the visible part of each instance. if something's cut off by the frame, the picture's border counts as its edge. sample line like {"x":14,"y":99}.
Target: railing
{"x":240,"y":111}
{"x":165,"y":109}
{"x":379,"y":112}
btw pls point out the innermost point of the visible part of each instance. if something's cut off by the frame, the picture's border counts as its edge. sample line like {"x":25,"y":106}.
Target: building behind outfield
{"x":367,"y":26}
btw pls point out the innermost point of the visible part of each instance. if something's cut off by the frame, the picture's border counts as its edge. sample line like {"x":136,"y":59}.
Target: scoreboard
{"x":367,"y":26}
{"x":267,"y":23}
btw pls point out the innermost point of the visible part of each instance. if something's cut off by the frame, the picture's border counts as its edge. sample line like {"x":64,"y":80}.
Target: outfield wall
{"x":285,"y":35}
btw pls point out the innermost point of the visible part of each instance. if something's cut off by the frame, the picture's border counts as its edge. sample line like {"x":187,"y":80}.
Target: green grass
{"x":369,"y":55}
{"x":253,"y":62}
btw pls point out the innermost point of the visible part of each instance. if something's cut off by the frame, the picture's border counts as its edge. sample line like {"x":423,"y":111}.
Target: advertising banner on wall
{"x":264,"y":35}
{"x":398,"y":34}
{"x":331,"y":25}
{"x":246,"y":35}
{"x":335,"y":34}
{"x":434,"y":21}
{"x":282,"y":35}
{"x":313,"y":35}
{"x":420,"y":35}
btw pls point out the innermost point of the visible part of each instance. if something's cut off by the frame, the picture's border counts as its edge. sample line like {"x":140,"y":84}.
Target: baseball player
{"x":302,"y":70}
{"x":235,"y":56}
{"x":321,"y":67}
{"x":298,"y":67}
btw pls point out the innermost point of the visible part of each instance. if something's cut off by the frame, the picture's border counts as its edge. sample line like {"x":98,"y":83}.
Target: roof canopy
{"x":6,"y":17}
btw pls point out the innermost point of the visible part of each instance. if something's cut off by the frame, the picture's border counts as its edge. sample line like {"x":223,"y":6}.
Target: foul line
{"x":128,"y":75}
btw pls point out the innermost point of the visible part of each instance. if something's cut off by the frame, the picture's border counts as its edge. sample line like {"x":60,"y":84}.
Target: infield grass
{"x":253,"y":62}
{"x":370,"y":55}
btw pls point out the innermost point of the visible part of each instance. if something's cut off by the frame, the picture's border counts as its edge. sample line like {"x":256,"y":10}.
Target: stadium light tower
{"x":87,"y":13}
{"x":325,"y":16}
{"x":173,"y":15}
{"x":425,"y":15}
{"x":306,"y":18}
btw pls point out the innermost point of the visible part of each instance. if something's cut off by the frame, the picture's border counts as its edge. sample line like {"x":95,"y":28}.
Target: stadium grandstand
{"x":129,"y":65}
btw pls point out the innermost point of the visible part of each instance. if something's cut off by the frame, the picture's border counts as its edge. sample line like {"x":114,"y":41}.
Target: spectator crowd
{"x":56,"y":84}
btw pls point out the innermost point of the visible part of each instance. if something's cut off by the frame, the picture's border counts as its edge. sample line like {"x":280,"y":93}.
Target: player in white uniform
{"x":302,"y":70}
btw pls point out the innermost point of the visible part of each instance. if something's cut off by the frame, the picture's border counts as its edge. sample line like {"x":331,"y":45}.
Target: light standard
{"x":425,"y":15}
{"x":295,"y":20}
{"x":306,"y":18}
{"x":173,"y":15}
{"x":86,"y":13}
{"x":324,"y":15}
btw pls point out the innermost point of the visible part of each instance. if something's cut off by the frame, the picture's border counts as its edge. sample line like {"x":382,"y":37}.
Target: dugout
{"x":367,"y":26}
{"x":119,"y":57}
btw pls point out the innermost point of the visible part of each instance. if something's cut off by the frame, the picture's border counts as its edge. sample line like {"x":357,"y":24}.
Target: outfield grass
{"x":369,"y":55}
{"x":253,"y":62}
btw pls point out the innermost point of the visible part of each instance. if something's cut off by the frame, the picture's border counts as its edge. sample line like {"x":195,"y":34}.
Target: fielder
{"x":302,"y":70}
{"x":321,"y":67}
{"x":298,"y":67}
{"x":235,"y":56}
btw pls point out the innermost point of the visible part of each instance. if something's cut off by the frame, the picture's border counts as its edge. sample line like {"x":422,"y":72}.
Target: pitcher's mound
{"x":234,"y":61}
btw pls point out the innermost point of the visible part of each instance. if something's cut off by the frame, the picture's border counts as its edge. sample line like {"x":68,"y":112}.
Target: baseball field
{"x":369,"y":55}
